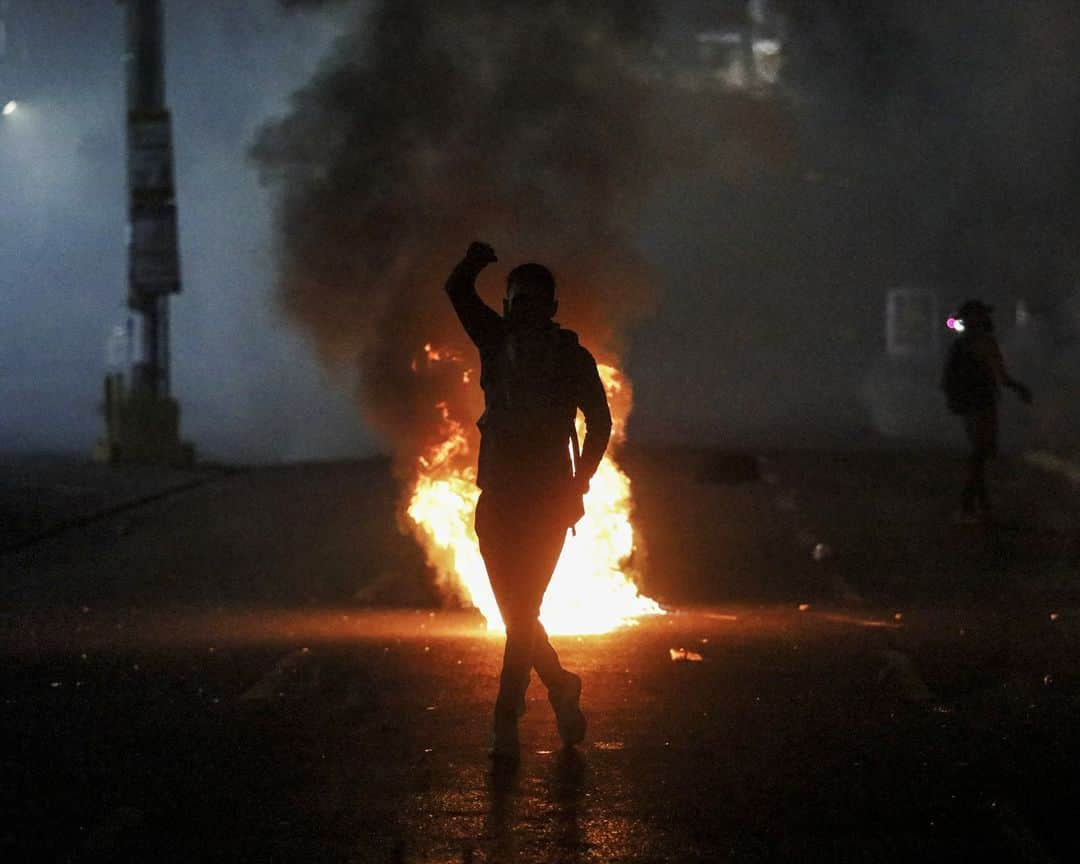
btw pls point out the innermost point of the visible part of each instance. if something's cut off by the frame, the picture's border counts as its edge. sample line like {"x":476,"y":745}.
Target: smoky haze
{"x":907,"y":144}
{"x":958,"y":124}
{"x":938,"y":145}
{"x":248,"y":384}
{"x":535,"y":126}
{"x":732,"y":250}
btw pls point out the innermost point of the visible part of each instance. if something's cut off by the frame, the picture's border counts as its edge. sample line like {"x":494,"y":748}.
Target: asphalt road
{"x":210,"y":677}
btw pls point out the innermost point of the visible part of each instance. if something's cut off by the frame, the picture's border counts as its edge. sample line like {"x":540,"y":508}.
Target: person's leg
{"x":521,"y":551}
{"x":979,"y":498}
{"x":975,"y":488}
{"x":968,"y":499}
{"x":564,"y":688}
{"x":982,"y":434}
{"x":989,"y":439}
{"x":513,"y":679}
{"x":544,"y":658}
{"x":516,"y":665}
{"x":543,"y":558}
{"x":527,"y":644}
{"x":509,"y":544}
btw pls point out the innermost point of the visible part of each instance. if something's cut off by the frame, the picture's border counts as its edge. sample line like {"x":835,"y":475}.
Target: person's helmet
{"x":530,"y":295}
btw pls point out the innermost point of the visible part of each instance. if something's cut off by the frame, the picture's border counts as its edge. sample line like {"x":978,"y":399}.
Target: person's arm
{"x":1017,"y":387}
{"x":1003,"y":376}
{"x":594,"y":405}
{"x":481,"y":322}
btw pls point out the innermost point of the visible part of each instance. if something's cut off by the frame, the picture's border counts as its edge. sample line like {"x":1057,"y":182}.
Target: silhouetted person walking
{"x":535,"y":375}
{"x":973,"y":378}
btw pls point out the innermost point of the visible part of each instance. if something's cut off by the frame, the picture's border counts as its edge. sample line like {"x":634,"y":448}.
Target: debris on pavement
{"x":681,"y":655}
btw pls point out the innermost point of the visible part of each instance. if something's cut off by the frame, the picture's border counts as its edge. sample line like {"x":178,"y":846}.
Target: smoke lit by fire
{"x":434,"y":123}
{"x":534,"y":125}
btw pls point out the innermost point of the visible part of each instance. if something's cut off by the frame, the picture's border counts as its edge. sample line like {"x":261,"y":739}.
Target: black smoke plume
{"x":533,"y":125}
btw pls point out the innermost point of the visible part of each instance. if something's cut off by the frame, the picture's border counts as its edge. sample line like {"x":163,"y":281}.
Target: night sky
{"x":908,"y":143}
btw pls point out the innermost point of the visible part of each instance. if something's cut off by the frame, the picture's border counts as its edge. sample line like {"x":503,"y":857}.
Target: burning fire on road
{"x":532,"y":126}
{"x":593,"y":588}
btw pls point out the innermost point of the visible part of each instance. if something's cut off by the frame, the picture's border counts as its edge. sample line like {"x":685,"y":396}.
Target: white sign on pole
{"x":154,"y":259}
{"x":150,"y":169}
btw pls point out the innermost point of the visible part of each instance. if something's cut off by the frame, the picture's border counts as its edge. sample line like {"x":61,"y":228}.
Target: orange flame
{"x":437,"y":355}
{"x":593,"y":588}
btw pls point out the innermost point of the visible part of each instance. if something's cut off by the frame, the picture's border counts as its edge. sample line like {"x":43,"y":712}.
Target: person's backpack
{"x":531,"y":380}
{"x":964,"y":379}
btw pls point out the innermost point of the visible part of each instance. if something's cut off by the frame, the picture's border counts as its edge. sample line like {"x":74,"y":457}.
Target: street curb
{"x":124,"y":506}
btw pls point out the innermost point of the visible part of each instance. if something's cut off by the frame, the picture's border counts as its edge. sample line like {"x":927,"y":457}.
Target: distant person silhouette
{"x":973,"y":377}
{"x":535,"y":375}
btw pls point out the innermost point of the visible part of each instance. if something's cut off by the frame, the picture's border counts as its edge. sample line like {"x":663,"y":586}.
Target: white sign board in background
{"x":150,"y":169}
{"x":154,"y":259}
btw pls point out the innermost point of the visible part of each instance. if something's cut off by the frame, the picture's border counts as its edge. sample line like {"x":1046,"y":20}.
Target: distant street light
{"x":10,"y":107}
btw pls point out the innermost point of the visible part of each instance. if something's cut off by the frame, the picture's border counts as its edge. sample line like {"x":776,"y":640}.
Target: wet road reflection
{"x":566,"y":788}
{"x":548,"y":808}
{"x":366,"y":733}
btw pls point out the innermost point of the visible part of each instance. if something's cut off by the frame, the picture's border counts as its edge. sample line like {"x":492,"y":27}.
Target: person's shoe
{"x":565,"y":700}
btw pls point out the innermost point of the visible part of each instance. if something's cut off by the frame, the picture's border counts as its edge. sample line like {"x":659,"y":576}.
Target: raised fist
{"x":480,"y":254}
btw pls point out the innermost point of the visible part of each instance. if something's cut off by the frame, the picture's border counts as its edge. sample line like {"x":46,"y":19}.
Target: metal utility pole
{"x":142,"y":420}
